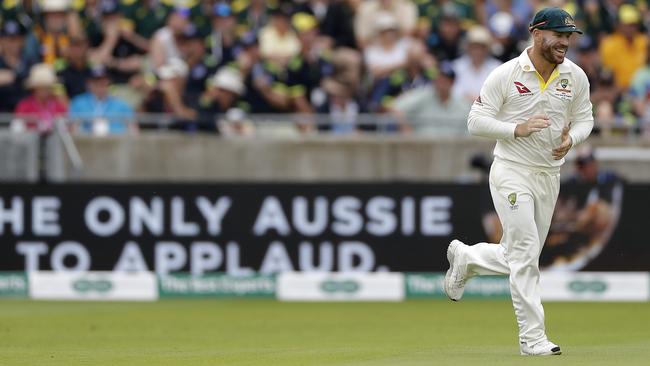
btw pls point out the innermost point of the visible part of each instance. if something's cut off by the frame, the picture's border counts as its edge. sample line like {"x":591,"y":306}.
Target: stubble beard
{"x":548,"y":52}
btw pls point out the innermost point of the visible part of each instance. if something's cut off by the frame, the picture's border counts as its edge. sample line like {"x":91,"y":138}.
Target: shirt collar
{"x":527,"y":65}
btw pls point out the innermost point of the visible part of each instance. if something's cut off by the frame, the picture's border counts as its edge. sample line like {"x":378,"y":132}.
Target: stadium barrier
{"x":312,"y":286}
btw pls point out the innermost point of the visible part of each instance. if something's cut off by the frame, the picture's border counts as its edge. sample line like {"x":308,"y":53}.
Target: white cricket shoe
{"x":456,"y":276}
{"x":544,"y":348}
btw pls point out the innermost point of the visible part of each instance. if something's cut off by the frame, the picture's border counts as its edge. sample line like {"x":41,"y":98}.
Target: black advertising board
{"x":266,"y":228}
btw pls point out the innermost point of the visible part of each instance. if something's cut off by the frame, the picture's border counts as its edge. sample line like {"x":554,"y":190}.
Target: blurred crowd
{"x":421,"y":62}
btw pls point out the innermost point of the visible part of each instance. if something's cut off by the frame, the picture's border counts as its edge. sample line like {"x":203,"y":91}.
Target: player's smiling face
{"x":554,"y":45}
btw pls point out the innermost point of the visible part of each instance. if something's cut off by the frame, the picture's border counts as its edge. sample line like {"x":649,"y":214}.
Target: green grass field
{"x":266,"y":332}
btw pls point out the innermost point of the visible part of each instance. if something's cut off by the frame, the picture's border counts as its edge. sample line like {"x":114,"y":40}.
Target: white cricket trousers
{"x":524,"y":199}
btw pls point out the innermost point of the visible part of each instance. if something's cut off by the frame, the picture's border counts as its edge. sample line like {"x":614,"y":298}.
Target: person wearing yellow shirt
{"x":624,"y":51}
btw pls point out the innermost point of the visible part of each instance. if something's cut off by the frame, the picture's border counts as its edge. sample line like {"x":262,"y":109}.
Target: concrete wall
{"x":179,"y":158}
{"x":18,"y":157}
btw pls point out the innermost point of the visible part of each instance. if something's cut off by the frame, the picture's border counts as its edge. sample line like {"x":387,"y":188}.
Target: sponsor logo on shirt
{"x":522,"y":89}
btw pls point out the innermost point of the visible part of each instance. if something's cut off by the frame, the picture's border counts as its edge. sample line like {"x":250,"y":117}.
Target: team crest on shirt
{"x":512,"y":198}
{"x":563,"y":89}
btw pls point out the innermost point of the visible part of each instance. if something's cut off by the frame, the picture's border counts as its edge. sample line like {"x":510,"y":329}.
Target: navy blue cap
{"x":221,"y":10}
{"x":109,"y":7}
{"x":249,"y":39}
{"x":554,"y":19}
{"x":13,"y":28}
{"x":192,"y":32}
{"x":447,"y":70}
{"x":98,"y":72}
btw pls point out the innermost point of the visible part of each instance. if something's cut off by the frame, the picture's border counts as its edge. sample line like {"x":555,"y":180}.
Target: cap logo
{"x":568,"y":21}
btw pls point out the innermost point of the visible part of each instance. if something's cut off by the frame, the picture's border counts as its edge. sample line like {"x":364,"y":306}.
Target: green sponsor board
{"x":429,"y":285}
{"x":214,"y":285}
{"x":13,"y":284}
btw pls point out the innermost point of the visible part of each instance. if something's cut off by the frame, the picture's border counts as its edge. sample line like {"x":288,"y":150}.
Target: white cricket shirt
{"x":514,"y":92}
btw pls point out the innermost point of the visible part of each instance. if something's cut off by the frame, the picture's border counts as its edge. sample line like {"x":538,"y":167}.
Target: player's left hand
{"x":560,"y":151}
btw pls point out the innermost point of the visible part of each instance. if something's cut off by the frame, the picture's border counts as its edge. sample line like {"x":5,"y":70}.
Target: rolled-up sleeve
{"x":482,"y":117}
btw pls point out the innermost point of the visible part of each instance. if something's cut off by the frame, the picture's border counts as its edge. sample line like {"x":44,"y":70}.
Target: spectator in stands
{"x":14,"y":64}
{"x":341,"y":107}
{"x":164,"y":43}
{"x":419,"y":71}
{"x":120,"y":48}
{"x":335,"y":19}
{"x":74,"y":70}
{"x":200,"y":68}
{"x":505,"y":46}
{"x":147,"y":16}
{"x":52,"y":34}
{"x":224,"y":91}
{"x":588,"y":60}
{"x":90,"y":17}
{"x":445,"y":41}
{"x":40,"y":110}
{"x":311,"y":65}
{"x":252,"y":17}
{"x":266,"y":90}
{"x":475,"y":65}
{"x":223,"y":38}
{"x":97,"y":111}
{"x":278,"y":42}
{"x":587,"y":169}
{"x":640,"y":93}
{"x":625,"y":51}
{"x":389,"y":51}
{"x":433,"y":110}
{"x":404,"y":12}
{"x":521,"y":12}
{"x":594,"y":18}
{"x":431,"y":12}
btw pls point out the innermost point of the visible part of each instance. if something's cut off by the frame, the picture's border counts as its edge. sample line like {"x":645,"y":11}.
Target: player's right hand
{"x":535,"y":123}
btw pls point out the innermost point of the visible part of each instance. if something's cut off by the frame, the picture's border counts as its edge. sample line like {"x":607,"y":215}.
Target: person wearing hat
{"x":433,"y":110}
{"x":14,"y":64}
{"x":99,"y":112}
{"x":278,"y":42}
{"x":625,"y":50}
{"x":52,"y":33}
{"x":222,"y":41}
{"x":389,"y":50}
{"x":404,"y":12}
{"x":224,"y":91}
{"x":475,"y":65}
{"x":164,"y":43}
{"x":536,"y":107}
{"x":74,"y":71}
{"x":311,"y":65}
{"x":147,"y":16}
{"x":40,"y":110}
{"x":119,"y":47}
{"x":419,"y":71}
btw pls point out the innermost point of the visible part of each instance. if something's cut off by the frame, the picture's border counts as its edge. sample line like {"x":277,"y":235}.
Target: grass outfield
{"x":265,"y":332}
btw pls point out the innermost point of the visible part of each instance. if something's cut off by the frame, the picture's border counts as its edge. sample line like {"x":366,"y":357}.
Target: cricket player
{"x":537,"y":107}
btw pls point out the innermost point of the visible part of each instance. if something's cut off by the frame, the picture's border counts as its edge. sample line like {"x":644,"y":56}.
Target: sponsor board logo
{"x":13,"y":284}
{"x":346,"y":286}
{"x":88,"y":286}
{"x":593,"y":286}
